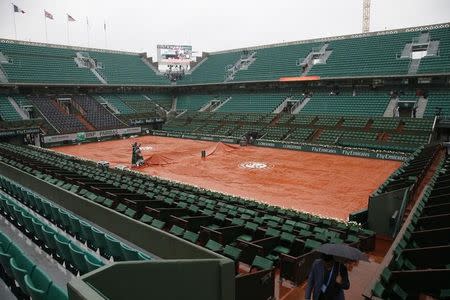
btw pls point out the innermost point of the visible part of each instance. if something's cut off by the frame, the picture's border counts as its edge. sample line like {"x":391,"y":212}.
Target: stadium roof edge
{"x":340,"y":37}
{"x":10,"y":41}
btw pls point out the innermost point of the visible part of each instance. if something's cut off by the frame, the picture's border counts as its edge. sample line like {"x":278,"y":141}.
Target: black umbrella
{"x":343,"y":251}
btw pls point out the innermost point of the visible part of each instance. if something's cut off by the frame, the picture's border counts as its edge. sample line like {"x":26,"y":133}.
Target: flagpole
{"x":45,"y":20}
{"x":67,"y":23}
{"x":15,"y":28}
{"x":106,"y":39}
{"x":87,"y":30}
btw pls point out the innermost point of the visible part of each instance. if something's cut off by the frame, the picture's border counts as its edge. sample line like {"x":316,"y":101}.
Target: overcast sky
{"x":207,"y":25}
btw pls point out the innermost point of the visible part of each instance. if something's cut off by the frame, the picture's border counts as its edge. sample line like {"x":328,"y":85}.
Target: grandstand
{"x":371,"y":109}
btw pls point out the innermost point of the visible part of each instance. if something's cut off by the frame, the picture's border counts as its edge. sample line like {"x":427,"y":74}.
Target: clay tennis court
{"x":325,"y":184}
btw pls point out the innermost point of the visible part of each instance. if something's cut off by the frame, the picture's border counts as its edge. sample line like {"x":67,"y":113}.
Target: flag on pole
{"x":48,"y":15}
{"x":70,"y":18}
{"x":17,"y":9}
{"x":104,"y":25}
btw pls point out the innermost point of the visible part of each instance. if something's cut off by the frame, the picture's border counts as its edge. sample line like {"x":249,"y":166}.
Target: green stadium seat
{"x":143,"y":256}
{"x":232,"y":252}
{"x":213,"y":246}
{"x":399,"y":292}
{"x":62,"y":245}
{"x":262,"y":263}
{"x":147,"y":219}
{"x":379,"y":290}
{"x":114,"y":248}
{"x":78,"y":260}
{"x":5,"y":256}
{"x":311,"y":245}
{"x":21,"y":266}
{"x":37,"y":284}
{"x":158,"y":224}
{"x":191,"y":236}
{"x":92,"y":263}
{"x":176,"y":230}
{"x":86,"y":233}
{"x":100,"y":240}
{"x":129,"y":253}
{"x":40,"y":287}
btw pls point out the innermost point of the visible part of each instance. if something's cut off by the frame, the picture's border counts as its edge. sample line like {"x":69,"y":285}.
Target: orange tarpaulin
{"x":221,"y":148}
{"x":326,"y":184}
{"x":158,"y":160}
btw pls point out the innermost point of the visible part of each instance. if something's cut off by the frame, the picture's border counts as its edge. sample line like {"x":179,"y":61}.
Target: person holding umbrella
{"x":328,"y":277}
{"x":327,"y":280}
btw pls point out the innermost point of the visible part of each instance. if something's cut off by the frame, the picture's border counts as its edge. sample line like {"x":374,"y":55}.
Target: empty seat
{"x":262,"y":263}
{"x":40,"y":287}
{"x":92,"y":262}
{"x":114,"y":248}
{"x":78,"y":259}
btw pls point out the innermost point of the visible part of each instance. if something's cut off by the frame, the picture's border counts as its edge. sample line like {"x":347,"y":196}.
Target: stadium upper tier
{"x":24,"y":62}
{"x":411,"y":51}
{"x":398,"y":52}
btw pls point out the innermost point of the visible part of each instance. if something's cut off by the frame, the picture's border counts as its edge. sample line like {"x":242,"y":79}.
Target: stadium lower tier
{"x":395,"y":134}
{"x":249,"y":232}
{"x":323,"y":120}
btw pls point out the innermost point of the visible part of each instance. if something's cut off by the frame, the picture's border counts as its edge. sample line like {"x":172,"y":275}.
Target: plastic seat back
{"x":62,"y":246}
{"x":114,"y":248}
{"x":92,"y":262}
{"x":37,"y":284}
{"x":99,"y":237}
{"x":21,"y":266}
{"x":129,"y":253}
{"x":86,"y":232}
{"x":78,"y":258}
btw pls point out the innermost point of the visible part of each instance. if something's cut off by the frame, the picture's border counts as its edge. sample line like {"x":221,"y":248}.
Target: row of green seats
{"x":76,"y":259}
{"x":386,"y":286}
{"x":82,"y":230}
{"x":32,"y":281}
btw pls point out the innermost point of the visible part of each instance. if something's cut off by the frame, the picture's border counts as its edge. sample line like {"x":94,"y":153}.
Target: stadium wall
{"x":175,"y":279}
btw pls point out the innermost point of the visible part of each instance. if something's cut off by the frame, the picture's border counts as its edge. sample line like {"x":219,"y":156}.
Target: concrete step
{"x":421,"y":107}
{"x":389,"y":112}
{"x":301,"y":105}
{"x":19,"y":110}
{"x":84,"y":122}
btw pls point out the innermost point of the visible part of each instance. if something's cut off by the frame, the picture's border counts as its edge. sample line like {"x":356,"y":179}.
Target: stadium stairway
{"x":84,"y":122}
{"x":423,"y":183}
{"x":359,"y":276}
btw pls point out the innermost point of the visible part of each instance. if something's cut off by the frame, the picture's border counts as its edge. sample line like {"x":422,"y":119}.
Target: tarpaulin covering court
{"x":158,"y":160}
{"x":221,"y":148}
{"x":325,"y":184}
